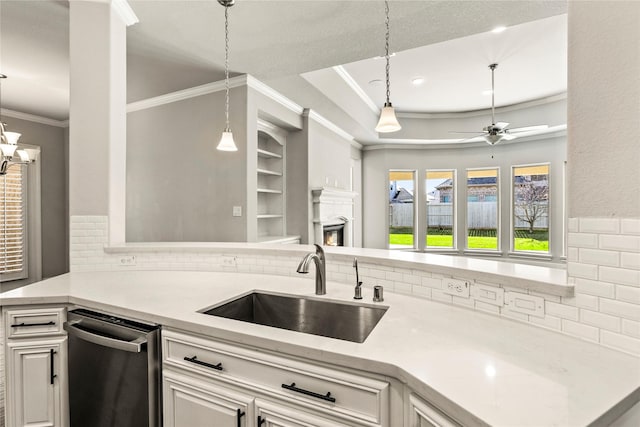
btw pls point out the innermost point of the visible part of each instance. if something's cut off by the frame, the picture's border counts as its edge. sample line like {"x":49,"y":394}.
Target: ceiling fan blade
{"x":501,"y":125}
{"x":454,"y":131}
{"x":529,"y":128}
{"x":508,"y":136}
{"x":477,"y":135}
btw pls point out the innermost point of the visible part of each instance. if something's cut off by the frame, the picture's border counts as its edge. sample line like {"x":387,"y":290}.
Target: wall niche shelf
{"x":271,"y":179}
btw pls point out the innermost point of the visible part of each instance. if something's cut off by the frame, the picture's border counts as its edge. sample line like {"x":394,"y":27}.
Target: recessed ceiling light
{"x":418,"y":80}
{"x":487,"y":92}
{"x":499,"y":29}
{"x":375,"y":82}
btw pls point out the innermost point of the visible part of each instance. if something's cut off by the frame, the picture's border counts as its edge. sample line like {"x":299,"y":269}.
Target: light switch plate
{"x":237,"y":211}
{"x":523,"y":303}
{"x":459,"y":288}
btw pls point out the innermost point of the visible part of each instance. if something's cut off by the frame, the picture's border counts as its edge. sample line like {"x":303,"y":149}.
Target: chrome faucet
{"x":318,"y":258}
{"x":358,"y":290}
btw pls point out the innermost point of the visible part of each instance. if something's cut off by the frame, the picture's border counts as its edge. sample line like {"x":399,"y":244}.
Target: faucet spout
{"x":319,"y":260}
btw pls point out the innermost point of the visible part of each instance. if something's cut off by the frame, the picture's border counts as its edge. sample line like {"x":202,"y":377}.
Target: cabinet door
{"x":36,"y":372}
{"x":273,"y":415}
{"x":192,"y":403}
{"x":421,"y":414}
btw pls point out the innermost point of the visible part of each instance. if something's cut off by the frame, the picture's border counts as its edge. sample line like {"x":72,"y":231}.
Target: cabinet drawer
{"x":329,"y":391}
{"x":26,"y":323}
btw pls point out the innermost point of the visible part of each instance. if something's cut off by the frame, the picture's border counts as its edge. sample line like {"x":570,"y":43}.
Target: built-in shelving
{"x":270,"y":189}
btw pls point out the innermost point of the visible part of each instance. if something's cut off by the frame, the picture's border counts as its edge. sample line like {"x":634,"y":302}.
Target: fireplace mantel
{"x":332,"y":206}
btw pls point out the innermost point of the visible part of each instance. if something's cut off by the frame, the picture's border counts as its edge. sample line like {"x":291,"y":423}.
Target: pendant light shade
{"x":226,"y":142}
{"x":388,"y":121}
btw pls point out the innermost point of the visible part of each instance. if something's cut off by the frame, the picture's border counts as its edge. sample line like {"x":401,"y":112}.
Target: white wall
{"x":604,"y":109}
{"x":377,"y":163}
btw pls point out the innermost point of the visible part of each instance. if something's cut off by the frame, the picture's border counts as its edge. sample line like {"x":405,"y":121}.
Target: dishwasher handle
{"x":135,"y":346}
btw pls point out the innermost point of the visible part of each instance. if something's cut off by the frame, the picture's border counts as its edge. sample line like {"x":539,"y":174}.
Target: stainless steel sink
{"x":341,"y":320}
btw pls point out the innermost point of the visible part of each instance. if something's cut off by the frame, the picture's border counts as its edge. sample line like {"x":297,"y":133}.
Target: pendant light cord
{"x":386,"y":46}
{"x":226,"y":65}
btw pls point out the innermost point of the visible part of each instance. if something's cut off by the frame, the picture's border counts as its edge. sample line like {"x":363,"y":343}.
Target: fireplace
{"x":333,"y":235}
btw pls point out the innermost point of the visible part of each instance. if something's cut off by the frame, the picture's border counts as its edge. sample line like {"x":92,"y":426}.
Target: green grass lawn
{"x":475,"y":242}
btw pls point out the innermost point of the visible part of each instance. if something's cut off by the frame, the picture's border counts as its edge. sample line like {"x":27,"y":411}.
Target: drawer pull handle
{"x":239,"y":414}
{"x":261,"y":420}
{"x":26,"y":325}
{"x":326,"y":397}
{"x":52,"y":352}
{"x":195,"y":360}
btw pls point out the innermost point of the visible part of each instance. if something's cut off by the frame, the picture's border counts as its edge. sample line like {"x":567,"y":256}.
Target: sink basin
{"x":335,"y":319}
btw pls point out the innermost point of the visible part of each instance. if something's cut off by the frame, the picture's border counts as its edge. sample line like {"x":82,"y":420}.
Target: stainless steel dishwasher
{"x":114,"y":371}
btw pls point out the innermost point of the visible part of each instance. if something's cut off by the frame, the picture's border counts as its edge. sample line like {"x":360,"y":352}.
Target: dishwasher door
{"x":114,"y":372}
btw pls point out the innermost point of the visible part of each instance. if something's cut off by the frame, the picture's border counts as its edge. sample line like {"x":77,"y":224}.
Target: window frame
{"x":454,"y":220}
{"x":415,"y":211}
{"x":467,"y":249}
{"x":23,"y":273}
{"x":512,"y":237}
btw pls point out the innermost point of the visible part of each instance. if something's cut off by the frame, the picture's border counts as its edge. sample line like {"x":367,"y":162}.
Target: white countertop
{"x":477,"y":367}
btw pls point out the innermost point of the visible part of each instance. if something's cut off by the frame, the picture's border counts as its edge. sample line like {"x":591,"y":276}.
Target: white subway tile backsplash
{"x":631,"y":328}
{"x":599,"y":257}
{"x":402,"y":287}
{"x":621,"y":342}
{"x":573,"y":225}
{"x":600,"y":225}
{"x":600,"y":320}
{"x":465,"y":302}
{"x":619,"y":275}
{"x":583,"y":331}
{"x":432,"y":282}
{"x":587,"y":271}
{"x":619,"y":308}
{"x":547,"y":322}
{"x":421,"y":291}
{"x":582,"y":240}
{"x":561,"y":310}
{"x":630,"y":260}
{"x":438,"y":295}
{"x":594,"y":287}
{"x":620,"y":243}
{"x":628,"y":294}
{"x":587,"y":301}
{"x":506,"y":312}
{"x":483,"y":306}
{"x":630,"y":226}
{"x":572,"y":254}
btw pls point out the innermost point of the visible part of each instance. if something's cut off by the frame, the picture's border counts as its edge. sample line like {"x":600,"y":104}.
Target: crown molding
{"x":330,"y":125}
{"x":463,"y":114}
{"x":432,"y":144}
{"x":181,"y":95}
{"x":124,"y":11}
{"x":344,"y":74}
{"x":33,"y":118}
{"x":274,"y":95}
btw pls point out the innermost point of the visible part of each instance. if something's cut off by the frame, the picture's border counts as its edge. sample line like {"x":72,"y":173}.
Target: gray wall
{"x":604,"y":109}
{"x":179,"y":187}
{"x":377,"y":163}
{"x":53,"y":168}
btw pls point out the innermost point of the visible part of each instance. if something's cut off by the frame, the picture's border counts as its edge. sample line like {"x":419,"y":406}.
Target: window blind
{"x":13,"y":224}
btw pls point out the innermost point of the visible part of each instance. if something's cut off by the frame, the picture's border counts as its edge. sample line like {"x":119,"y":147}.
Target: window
{"x":12,"y":224}
{"x":483,"y":209}
{"x":530,"y":222}
{"x":401,"y":209}
{"x":440,"y":196}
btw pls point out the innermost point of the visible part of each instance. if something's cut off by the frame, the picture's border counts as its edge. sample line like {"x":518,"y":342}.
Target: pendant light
{"x":226,"y":142}
{"x":388,"y":121}
{"x":10,"y":152}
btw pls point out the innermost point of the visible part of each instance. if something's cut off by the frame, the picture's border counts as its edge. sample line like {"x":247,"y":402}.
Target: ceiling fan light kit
{"x":388,"y":121}
{"x":10,"y":151}
{"x":226,"y":141}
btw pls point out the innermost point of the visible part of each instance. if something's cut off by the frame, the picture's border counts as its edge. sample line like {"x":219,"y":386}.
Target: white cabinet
{"x":192,"y":403}
{"x":422,"y":414}
{"x":283,"y":391}
{"x":36,"y":362}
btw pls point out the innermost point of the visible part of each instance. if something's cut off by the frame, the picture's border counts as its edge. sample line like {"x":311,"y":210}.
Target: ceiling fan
{"x":497,"y":132}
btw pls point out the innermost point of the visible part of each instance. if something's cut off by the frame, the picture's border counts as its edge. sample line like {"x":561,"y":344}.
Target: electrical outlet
{"x":229,"y":261}
{"x":459,"y":288}
{"x":128,"y":261}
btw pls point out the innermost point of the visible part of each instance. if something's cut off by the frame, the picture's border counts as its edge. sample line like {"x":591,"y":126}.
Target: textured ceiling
{"x":182,"y":41}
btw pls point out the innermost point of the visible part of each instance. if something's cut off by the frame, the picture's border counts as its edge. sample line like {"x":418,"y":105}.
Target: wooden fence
{"x":480,"y":215}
